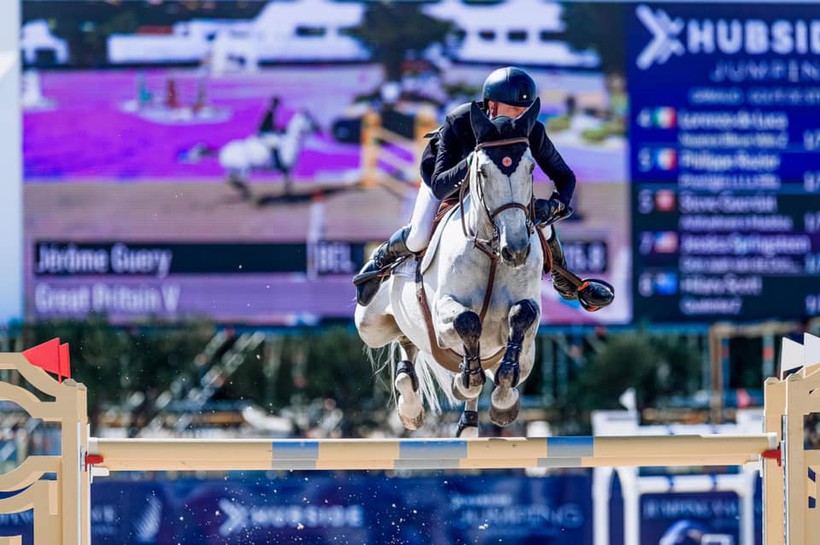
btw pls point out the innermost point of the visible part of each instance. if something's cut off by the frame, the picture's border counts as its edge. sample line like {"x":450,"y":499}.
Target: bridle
{"x":490,"y":246}
{"x":448,"y":357}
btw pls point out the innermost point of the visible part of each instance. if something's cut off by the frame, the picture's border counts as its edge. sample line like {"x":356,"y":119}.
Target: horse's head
{"x":303,"y":123}
{"x":501,"y":182}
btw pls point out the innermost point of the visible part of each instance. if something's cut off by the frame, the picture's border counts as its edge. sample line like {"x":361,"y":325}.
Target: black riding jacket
{"x":443,"y":171}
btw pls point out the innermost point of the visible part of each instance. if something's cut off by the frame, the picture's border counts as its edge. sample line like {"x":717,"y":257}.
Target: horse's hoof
{"x":468,"y":424}
{"x":505,"y":417}
{"x":412,"y":424}
{"x":454,"y":388}
{"x":468,"y":432}
{"x":464,"y":394}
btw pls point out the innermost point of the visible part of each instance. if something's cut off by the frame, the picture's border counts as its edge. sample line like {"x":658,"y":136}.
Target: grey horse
{"x":490,"y":234}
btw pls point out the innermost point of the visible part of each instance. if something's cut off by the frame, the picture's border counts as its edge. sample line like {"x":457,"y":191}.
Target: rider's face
{"x":502,"y":109}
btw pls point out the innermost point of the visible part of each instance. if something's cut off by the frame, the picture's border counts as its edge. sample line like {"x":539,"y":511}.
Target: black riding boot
{"x":547,"y":212}
{"x":373,"y":273}
{"x":563,"y":286}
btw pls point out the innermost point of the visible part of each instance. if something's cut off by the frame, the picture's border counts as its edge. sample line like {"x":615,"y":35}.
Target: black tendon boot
{"x":562,"y":285}
{"x":374,"y":272}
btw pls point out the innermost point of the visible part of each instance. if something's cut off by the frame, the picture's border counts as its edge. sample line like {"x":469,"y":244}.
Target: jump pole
{"x":387,"y":454}
{"x":62,"y":508}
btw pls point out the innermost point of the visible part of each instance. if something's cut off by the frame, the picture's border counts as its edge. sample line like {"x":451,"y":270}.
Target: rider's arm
{"x":450,"y":167}
{"x":551,"y":162}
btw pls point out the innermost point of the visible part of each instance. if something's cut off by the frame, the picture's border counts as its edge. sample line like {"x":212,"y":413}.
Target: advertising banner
{"x":319,"y":509}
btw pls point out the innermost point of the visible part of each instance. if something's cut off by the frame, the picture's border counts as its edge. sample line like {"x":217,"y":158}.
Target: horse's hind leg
{"x":468,"y":422}
{"x":466,"y":324}
{"x":411,"y":411}
{"x":505,"y":401}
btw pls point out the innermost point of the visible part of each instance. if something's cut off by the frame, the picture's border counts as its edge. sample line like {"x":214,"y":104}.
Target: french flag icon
{"x":666,"y":159}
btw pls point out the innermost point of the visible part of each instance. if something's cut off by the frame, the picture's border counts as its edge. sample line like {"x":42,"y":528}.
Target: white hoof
{"x":465,"y":394}
{"x":411,"y":412}
{"x":504,"y":398}
{"x":504,"y":417}
{"x":470,"y":432}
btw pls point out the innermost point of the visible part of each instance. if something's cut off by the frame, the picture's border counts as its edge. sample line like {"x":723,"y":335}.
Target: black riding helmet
{"x":511,"y":86}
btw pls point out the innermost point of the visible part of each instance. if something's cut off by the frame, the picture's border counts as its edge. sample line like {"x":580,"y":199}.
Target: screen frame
{"x":11,"y":159}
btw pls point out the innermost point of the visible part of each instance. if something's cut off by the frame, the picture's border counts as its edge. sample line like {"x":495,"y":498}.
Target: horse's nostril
{"x":506,"y":255}
{"x":529,"y":248}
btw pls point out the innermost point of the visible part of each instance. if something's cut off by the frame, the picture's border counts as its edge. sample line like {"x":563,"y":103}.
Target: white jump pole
{"x":482,"y":453}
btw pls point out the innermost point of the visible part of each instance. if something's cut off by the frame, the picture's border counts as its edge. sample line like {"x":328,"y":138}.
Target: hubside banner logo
{"x":673,"y":36}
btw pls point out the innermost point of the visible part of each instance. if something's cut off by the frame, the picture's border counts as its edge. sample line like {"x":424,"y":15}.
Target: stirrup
{"x":364,"y":278}
{"x":383,"y":272}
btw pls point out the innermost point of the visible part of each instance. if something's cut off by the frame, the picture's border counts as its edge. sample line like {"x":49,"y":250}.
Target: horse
{"x":481,"y":285}
{"x":267,"y":151}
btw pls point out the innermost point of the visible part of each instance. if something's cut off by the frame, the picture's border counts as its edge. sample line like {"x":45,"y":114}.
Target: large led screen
{"x":240,"y":160}
{"x":218,"y":159}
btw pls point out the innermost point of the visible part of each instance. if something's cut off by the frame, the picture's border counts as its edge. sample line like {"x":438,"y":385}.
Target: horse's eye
{"x":531,"y":167}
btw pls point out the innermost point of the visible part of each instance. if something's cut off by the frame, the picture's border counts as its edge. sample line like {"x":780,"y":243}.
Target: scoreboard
{"x":725,"y":161}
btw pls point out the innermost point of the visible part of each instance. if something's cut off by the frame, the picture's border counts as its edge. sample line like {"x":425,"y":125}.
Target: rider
{"x":268,"y":124}
{"x":508,"y":92}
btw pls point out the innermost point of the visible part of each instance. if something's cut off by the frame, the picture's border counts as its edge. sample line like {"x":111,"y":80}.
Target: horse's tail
{"x":434,"y":380}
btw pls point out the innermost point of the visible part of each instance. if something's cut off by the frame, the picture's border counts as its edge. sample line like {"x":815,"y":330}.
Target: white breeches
{"x":547,"y":231}
{"x":421,"y":222}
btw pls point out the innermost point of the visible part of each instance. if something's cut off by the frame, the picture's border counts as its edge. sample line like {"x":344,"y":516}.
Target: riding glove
{"x":549,"y":211}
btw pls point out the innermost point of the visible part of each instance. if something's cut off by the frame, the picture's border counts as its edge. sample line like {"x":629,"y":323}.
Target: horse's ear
{"x":525,"y":122}
{"x":483,"y":128}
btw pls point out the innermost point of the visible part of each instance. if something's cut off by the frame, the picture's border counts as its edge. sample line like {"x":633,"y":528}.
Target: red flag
{"x":65,"y":361}
{"x":50,"y":356}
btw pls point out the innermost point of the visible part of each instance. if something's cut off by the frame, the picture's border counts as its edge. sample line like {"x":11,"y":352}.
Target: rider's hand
{"x":549,"y":211}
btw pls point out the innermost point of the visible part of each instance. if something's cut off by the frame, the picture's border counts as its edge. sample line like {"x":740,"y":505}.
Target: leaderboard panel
{"x":725,"y":135}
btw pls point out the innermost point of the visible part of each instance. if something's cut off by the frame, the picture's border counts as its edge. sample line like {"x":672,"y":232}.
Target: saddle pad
{"x":430,"y":253}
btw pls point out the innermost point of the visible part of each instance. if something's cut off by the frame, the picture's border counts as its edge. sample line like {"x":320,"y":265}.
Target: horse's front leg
{"x":457,"y":323}
{"x":505,"y":401}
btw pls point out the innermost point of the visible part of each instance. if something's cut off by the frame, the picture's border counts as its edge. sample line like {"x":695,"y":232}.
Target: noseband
{"x":490,"y":247}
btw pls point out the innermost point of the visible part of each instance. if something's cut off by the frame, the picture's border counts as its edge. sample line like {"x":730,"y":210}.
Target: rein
{"x":488,"y":246}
